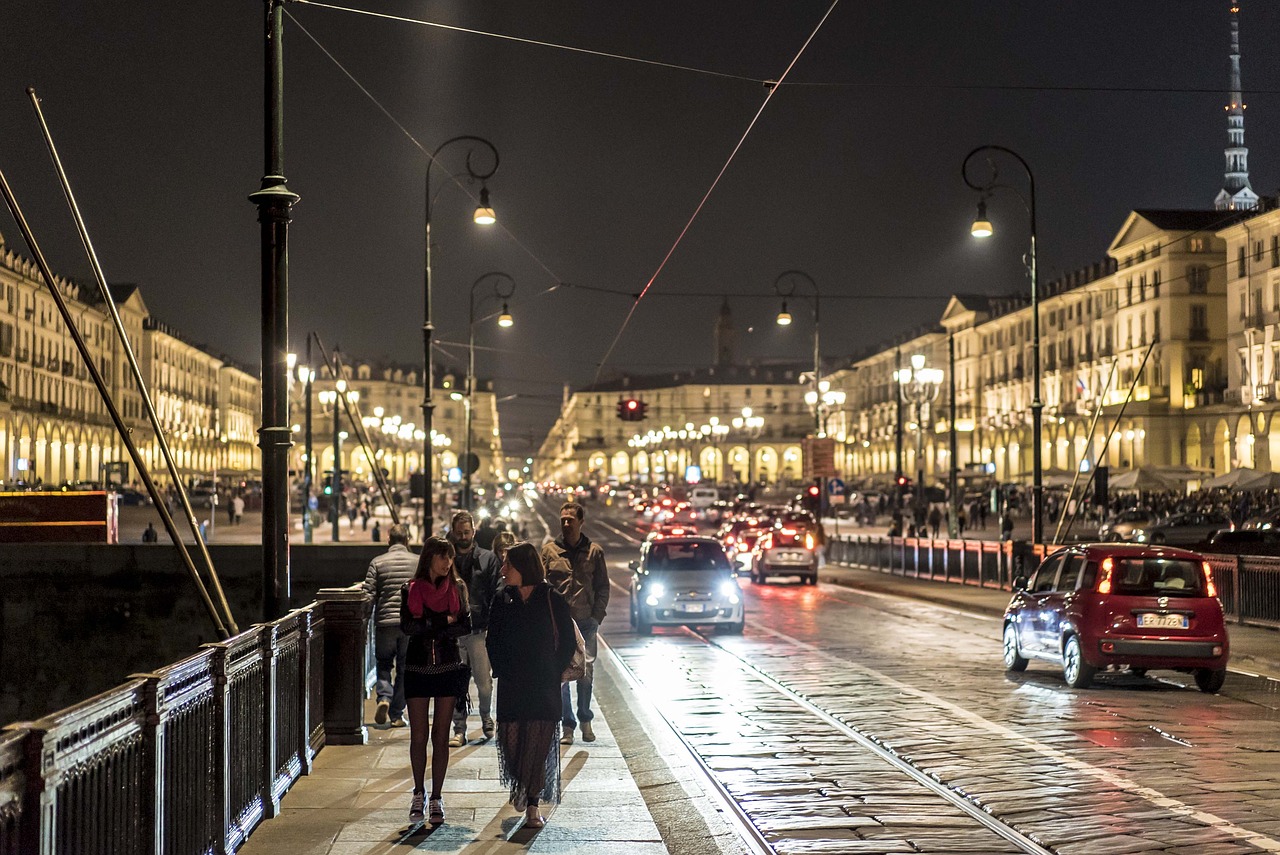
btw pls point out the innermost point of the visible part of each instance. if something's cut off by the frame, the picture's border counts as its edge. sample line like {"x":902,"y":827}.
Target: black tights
{"x":419,"y":719}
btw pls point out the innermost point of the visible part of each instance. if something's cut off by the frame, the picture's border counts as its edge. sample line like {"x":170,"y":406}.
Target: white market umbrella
{"x":1235,"y":479}
{"x":1142,"y":479}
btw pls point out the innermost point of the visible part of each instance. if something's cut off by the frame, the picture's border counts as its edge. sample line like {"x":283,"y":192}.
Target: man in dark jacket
{"x":478,"y":568}
{"x":386,"y":574}
{"x":576,"y":567}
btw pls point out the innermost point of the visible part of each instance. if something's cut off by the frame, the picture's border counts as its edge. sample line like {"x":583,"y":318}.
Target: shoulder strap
{"x":555,"y":630}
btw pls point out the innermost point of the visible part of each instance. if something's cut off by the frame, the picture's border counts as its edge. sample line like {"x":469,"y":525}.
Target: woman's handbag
{"x":577,"y":667}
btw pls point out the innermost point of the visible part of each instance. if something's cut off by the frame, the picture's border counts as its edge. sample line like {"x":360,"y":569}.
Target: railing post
{"x":346,"y":639}
{"x":221,"y":737}
{"x":20,"y":787}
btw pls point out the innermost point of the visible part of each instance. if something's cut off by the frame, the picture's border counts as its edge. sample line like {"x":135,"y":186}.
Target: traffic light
{"x":904,"y":483}
{"x":630,"y":409}
{"x":642,"y":411}
{"x":813,"y":496}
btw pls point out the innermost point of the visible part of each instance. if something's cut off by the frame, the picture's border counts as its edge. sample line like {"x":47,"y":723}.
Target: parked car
{"x":1256,"y":541}
{"x":1121,"y":526}
{"x":1268,"y":519}
{"x":685,"y":581}
{"x":790,"y":548}
{"x":130,"y":497}
{"x":1119,"y":607}
{"x":1185,"y":529}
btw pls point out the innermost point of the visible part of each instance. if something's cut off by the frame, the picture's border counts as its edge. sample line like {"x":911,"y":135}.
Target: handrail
{"x":190,"y":759}
{"x":1248,"y":585}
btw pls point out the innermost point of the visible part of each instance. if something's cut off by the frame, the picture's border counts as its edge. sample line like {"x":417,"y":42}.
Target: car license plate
{"x":694,"y":608}
{"x":793,"y":557}
{"x":1162,"y":621}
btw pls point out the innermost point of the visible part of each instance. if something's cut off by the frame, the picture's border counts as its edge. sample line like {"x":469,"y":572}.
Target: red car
{"x":1115,"y":607}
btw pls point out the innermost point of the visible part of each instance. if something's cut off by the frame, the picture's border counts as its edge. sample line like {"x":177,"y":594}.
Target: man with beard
{"x":576,"y":567}
{"x":478,"y":568}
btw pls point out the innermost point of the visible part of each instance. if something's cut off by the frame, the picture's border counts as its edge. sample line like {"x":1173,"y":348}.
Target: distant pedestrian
{"x":961,"y":519}
{"x":530,"y":644}
{"x":383,"y":580}
{"x":1006,"y":526}
{"x":434,"y":612}
{"x":231,"y":507}
{"x":150,"y":535}
{"x":364,"y":515}
{"x":935,"y":521}
{"x":237,"y":504}
{"x":351,"y":515}
{"x":502,"y":542}
{"x":982,"y":515}
{"x":576,"y":567}
{"x":204,"y":531}
{"x":377,"y":532}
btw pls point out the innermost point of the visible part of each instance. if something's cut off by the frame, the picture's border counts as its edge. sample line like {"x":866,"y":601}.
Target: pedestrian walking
{"x":479,"y":569}
{"x":237,"y":505}
{"x":376,"y":537}
{"x":961,"y":519}
{"x":502,"y":542}
{"x":530,"y":642}
{"x":576,"y":567}
{"x":387,"y":574}
{"x":231,"y":507}
{"x":935,"y":521}
{"x":150,"y":535}
{"x":434,"y":613}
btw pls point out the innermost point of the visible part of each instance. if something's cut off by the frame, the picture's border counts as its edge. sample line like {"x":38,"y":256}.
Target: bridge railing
{"x":1248,"y":585}
{"x":189,"y":759}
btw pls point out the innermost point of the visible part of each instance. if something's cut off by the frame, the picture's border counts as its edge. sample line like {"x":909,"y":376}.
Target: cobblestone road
{"x":1135,"y":765}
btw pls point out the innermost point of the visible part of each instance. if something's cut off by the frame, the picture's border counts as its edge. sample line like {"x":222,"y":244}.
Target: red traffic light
{"x":633,"y":405}
{"x":813,"y":490}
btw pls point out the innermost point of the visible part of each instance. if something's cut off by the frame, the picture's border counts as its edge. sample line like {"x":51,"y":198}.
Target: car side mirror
{"x":1020,"y":583}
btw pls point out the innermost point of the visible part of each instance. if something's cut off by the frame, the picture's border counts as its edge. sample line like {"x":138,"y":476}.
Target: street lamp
{"x":503,"y":287}
{"x":751,"y":425}
{"x":307,"y":376}
{"x":335,"y":481}
{"x":982,"y":228}
{"x":784,"y":319}
{"x":484,"y":216}
{"x":827,"y":405}
{"x":919,"y":386}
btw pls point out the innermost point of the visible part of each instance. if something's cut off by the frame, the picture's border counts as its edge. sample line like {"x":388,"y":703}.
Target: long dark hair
{"x":525,"y":558}
{"x":440,"y":546}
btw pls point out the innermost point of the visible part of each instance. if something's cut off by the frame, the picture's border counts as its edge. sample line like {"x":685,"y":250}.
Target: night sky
{"x":851,"y":173}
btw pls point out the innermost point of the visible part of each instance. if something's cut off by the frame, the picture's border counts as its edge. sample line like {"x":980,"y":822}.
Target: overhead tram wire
{"x":738,"y":147}
{"x":414,"y":140}
{"x":759,"y":81}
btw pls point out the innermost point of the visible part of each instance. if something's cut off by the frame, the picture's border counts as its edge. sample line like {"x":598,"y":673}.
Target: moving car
{"x":1186,"y":529}
{"x":1118,"y":607}
{"x":790,"y":548}
{"x":738,"y":539}
{"x":685,"y":581}
{"x":1121,"y":526}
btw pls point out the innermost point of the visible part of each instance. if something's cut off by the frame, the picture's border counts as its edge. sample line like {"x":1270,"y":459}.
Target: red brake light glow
{"x":1210,"y":588}
{"x":1104,"y":581}
{"x":788,"y":531}
{"x":808,"y":541}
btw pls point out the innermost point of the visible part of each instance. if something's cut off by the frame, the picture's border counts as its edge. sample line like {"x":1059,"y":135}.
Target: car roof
{"x":1122,"y":550}
{"x":692,"y":538}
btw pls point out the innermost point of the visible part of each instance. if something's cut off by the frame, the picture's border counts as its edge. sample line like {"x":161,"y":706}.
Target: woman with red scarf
{"x":434,"y":613}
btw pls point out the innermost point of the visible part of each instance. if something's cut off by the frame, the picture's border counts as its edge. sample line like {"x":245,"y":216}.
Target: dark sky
{"x":157,"y":111}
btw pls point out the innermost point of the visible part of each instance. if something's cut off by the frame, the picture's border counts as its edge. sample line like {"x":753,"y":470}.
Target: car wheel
{"x":759,"y":578}
{"x":631,"y":612}
{"x":1209,"y":680}
{"x":643,"y":627}
{"x":1077,"y":672}
{"x":1138,"y":672}
{"x":733,"y":628}
{"x":1013,"y":660}
{"x":811,"y":580}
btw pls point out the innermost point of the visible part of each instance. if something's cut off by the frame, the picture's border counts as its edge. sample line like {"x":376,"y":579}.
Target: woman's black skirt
{"x":451,"y":683}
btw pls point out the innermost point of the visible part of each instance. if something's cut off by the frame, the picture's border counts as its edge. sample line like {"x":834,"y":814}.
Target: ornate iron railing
{"x":189,"y":759}
{"x":1248,"y":585}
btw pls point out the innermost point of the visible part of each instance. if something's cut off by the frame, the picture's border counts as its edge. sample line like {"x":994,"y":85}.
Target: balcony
{"x":1253,"y":321}
{"x":1199,"y":334}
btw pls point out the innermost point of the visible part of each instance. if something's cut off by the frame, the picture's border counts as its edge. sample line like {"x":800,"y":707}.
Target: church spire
{"x":1236,"y":194}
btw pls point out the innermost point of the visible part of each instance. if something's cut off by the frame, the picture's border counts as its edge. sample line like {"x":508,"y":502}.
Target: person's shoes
{"x":415,"y":807}
{"x":487,"y":727}
{"x":458,"y":739}
{"x":399,"y":721}
{"x":380,"y":715}
{"x":436,"y":816}
{"x":567,"y":737}
{"x":533,"y":819}
{"x":588,"y":735}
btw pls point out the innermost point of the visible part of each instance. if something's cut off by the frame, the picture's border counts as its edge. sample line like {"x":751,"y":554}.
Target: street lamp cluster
{"x":826,"y":403}
{"x":332,"y":397}
{"x":919,"y":386}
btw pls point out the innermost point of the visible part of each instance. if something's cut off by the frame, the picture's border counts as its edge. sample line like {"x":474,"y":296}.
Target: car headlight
{"x":1139,"y":535}
{"x":652,"y":591}
{"x":730,"y":590}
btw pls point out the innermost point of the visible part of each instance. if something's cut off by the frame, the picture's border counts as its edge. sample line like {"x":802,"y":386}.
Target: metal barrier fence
{"x":1248,"y":585}
{"x":189,"y":759}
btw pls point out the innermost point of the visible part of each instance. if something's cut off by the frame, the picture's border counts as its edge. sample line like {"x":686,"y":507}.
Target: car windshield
{"x":1133,"y":516}
{"x":1158,"y":577}
{"x":688,"y":556}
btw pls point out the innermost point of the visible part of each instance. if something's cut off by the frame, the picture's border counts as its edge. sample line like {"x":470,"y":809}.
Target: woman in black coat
{"x":530,"y":642}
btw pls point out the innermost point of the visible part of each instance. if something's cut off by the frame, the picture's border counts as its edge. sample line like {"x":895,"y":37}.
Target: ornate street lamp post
{"x":919,"y":386}
{"x":751,"y":425}
{"x":982,"y":228}
{"x":484,"y":216}
{"x":785,"y":286}
{"x":503,"y":287}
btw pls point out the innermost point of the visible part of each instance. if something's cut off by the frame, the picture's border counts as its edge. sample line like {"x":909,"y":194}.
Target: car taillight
{"x":808,"y":541}
{"x":1104,"y":581}
{"x":788,"y":531}
{"x":766,"y":542}
{"x":1210,"y":588}
{"x":728,"y":540}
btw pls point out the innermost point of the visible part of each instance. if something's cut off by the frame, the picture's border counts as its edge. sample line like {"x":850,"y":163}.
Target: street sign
{"x":819,"y":457}
{"x":470,"y":463}
{"x":835,"y":487}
